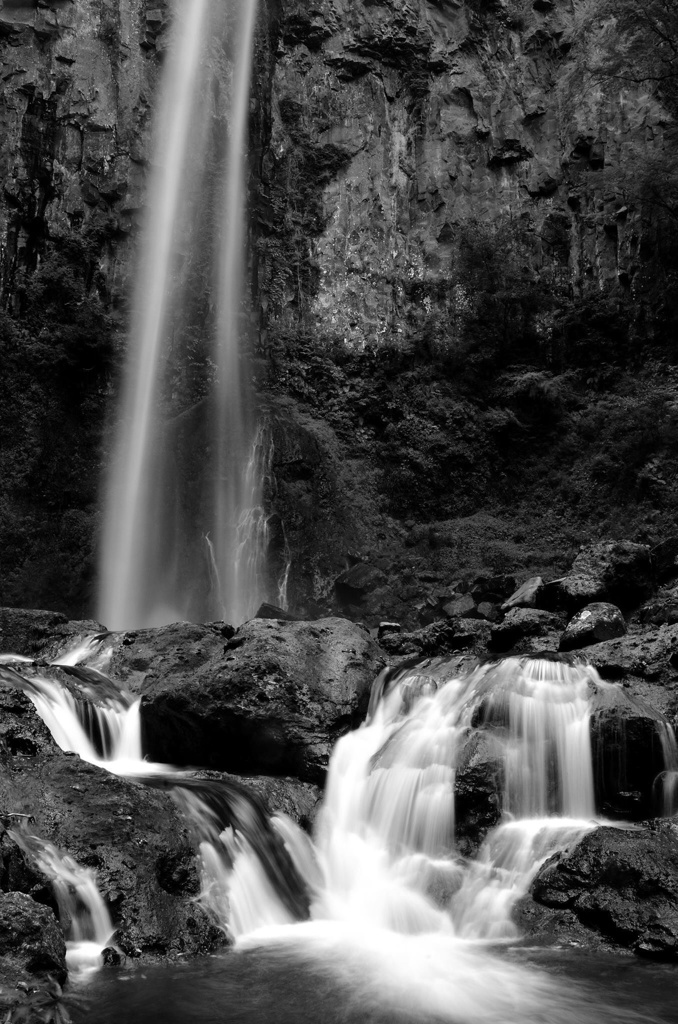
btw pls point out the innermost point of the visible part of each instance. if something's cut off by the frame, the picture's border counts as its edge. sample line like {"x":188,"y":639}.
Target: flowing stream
{"x":189,"y":462}
{"x":383,"y":897}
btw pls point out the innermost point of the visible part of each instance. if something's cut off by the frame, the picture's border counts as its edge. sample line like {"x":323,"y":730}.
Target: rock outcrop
{"x":620,"y":884}
{"x":32,"y":956}
{"x":139,"y":845}
{"x":593,"y":624}
{"x":270,"y":697}
{"x":134,"y":838}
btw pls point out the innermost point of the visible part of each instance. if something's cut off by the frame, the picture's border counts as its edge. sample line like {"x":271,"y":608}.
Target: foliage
{"x":633,"y":44}
{"x":633,"y":47}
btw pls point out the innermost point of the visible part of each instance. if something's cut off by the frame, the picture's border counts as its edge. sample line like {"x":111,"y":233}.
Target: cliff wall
{"x":467,"y":278}
{"x":463,"y":285}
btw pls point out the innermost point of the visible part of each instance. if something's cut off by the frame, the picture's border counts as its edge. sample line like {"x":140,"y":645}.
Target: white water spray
{"x":84,"y":915}
{"x":394,"y":904}
{"x":183,"y":468}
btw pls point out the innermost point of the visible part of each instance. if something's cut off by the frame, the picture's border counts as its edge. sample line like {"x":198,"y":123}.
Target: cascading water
{"x":668,"y":780}
{"x":84,"y":915}
{"x":385,"y":891}
{"x":188,"y":460}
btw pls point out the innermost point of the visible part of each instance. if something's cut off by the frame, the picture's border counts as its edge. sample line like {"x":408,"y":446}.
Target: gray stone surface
{"x":273,"y":697}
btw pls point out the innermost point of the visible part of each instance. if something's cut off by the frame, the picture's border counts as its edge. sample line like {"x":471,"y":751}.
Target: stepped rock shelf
{"x":273,"y":697}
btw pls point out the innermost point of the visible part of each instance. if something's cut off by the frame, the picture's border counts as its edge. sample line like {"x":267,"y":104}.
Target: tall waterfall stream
{"x":185,"y":531}
{"x":381,"y":898}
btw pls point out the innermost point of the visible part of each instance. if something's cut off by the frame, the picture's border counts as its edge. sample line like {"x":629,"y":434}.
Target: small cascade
{"x":667,"y":782}
{"x":249,"y":879}
{"x":84,"y":916}
{"x":87,"y":650}
{"x":106,"y":732}
{"x":387,"y":835}
{"x":385,"y":881}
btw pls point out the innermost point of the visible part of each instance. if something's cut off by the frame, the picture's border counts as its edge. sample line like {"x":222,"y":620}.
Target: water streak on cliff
{"x":182,"y":469}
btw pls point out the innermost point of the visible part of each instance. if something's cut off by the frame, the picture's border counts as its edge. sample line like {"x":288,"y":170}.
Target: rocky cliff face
{"x":455,"y":261}
{"x":78,"y":81}
{"x":419,"y":136}
{"x":453,"y":264}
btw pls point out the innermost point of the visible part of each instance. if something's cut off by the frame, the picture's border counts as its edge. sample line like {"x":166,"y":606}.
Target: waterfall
{"x":387,"y":833}
{"x":667,"y":782}
{"x":84,"y":915}
{"x":384,"y":887}
{"x":187,"y":464}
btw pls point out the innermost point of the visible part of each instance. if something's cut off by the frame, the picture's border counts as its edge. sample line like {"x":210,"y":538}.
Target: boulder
{"x":651,"y":654}
{"x":521,"y":623}
{"x":593,"y":624}
{"x":569,"y":593}
{"x":30,"y":936}
{"x":41,"y":634}
{"x":32,"y":956}
{"x":440,"y":638}
{"x":271,"y":699}
{"x":620,"y":884}
{"x":489,"y":611}
{"x":615,"y":571}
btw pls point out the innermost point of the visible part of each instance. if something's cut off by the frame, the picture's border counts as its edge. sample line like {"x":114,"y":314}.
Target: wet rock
{"x":300,"y":801}
{"x":479,"y":782}
{"x":521,"y":623}
{"x":30,"y":937}
{"x":621,"y":885}
{"x":525,"y":596}
{"x":273,"y":699}
{"x":32,"y":959}
{"x":41,"y":634}
{"x":594,"y":623}
{"x":120,"y":829}
{"x":627,"y":752}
